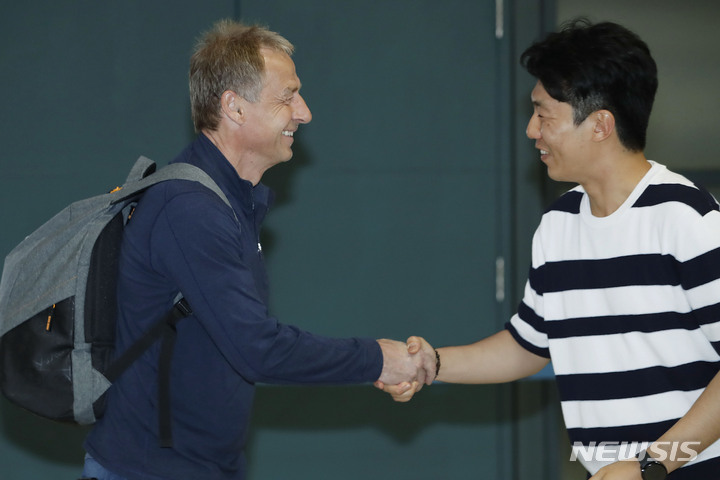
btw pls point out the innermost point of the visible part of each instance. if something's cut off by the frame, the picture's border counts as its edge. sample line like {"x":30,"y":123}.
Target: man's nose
{"x":302,"y":112}
{"x":533,"y":128}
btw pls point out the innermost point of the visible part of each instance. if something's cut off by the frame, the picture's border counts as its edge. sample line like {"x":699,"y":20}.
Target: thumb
{"x":413,"y":344}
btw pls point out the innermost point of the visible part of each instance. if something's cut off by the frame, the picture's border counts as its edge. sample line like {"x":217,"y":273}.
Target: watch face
{"x":654,"y":471}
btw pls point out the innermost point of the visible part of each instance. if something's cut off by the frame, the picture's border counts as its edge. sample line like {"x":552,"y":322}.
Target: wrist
{"x":437,"y":363}
{"x":650,"y":468}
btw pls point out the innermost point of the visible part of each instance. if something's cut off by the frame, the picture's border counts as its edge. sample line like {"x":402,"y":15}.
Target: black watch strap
{"x":651,"y":469}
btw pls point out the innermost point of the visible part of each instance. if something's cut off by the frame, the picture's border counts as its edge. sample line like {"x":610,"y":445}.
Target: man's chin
{"x":284,"y":159}
{"x":555,"y":177}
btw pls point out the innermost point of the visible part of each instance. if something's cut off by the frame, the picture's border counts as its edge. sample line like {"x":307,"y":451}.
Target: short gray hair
{"x":228,"y":57}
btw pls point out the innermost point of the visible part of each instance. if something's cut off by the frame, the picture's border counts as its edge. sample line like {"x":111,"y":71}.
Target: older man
{"x":246,"y":107}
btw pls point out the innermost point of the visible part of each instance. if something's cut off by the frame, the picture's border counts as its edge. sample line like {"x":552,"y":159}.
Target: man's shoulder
{"x":569,"y":202}
{"x":181,"y":200}
{"x":172,"y":192}
{"x":670,"y":188}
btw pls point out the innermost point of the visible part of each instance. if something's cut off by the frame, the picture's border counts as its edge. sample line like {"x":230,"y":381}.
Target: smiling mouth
{"x":288,"y":133}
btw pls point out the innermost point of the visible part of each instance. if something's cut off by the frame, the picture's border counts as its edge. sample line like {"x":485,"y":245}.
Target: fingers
{"x":414,"y":344}
{"x":402,"y":392}
{"x":426,"y":359}
{"x":406,"y":367}
{"x":430,"y":363}
{"x":398,"y":365}
{"x":422,"y":374}
{"x":408,"y":393}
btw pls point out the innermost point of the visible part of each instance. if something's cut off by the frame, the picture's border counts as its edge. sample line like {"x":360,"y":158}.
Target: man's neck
{"x":615,"y":180}
{"x":246,"y":169}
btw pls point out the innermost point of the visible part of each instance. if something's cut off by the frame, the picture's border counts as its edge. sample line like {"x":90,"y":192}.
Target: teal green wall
{"x":87,"y":87}
{"x":404,"y":191}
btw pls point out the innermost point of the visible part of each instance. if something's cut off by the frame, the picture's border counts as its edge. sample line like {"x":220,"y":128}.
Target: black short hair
{"x":601,"y":66}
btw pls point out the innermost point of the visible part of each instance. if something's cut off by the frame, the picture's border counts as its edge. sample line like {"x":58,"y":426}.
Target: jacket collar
{"x":243,"y":195}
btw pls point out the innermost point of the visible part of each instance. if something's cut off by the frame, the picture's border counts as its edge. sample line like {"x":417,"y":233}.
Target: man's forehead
{"x":279,"y":67}
{"x":541,"y":98}
{"x":538,"y":95}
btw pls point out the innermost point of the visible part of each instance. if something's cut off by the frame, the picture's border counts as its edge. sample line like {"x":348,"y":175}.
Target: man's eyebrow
{"x":540,"y":105}
{"x":291,"y":90}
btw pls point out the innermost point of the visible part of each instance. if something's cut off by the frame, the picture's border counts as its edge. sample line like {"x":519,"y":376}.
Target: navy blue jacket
{"x":182,"y":237}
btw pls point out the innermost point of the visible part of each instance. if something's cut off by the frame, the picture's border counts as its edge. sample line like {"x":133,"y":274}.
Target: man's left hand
{"x":623,"y":470}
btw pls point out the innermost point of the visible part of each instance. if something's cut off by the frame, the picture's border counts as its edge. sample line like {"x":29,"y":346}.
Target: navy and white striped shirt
{"x":628,"y":308}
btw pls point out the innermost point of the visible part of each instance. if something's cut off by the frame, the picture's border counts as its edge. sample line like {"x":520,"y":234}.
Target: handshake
{"x":407,"y":367}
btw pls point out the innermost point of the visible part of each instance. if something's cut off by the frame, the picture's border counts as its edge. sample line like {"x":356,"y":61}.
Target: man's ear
{"x":603,"y":124}
{"x":232,"y":107}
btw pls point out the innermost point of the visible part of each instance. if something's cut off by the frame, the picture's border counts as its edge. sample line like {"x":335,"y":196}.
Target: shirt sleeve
{"x":527,"y":325}
{"x":697,"y":252}
{"x":196,"y":243}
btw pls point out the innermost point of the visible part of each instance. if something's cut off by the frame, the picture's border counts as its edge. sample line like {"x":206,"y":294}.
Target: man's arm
{"x":495,"y":359}
{"x":700,"y":426}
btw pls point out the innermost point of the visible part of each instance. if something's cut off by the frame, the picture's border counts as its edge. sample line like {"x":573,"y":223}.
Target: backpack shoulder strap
{"x":142,"y":168}
{"x":143,"y":175}
{"x":165,"y":329}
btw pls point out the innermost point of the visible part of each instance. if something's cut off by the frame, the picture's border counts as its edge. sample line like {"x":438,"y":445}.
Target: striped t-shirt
{"x":627,"y":307}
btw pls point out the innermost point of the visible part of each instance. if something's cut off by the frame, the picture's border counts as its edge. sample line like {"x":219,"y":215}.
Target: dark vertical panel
{"x":388,"y":210}
{"x":388,"y":226}
{"x":536,"y":412}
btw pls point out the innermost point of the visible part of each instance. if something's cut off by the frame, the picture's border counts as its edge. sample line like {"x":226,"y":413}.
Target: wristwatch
{"x":651,"y":469}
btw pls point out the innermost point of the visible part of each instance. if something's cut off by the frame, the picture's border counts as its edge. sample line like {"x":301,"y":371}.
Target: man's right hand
{"x":399,"y":365}
{"x":423,"y":356}
{"x":407,"y":362}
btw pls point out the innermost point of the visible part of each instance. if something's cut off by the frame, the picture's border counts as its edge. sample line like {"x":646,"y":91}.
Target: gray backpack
{"x":58,"y":305}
